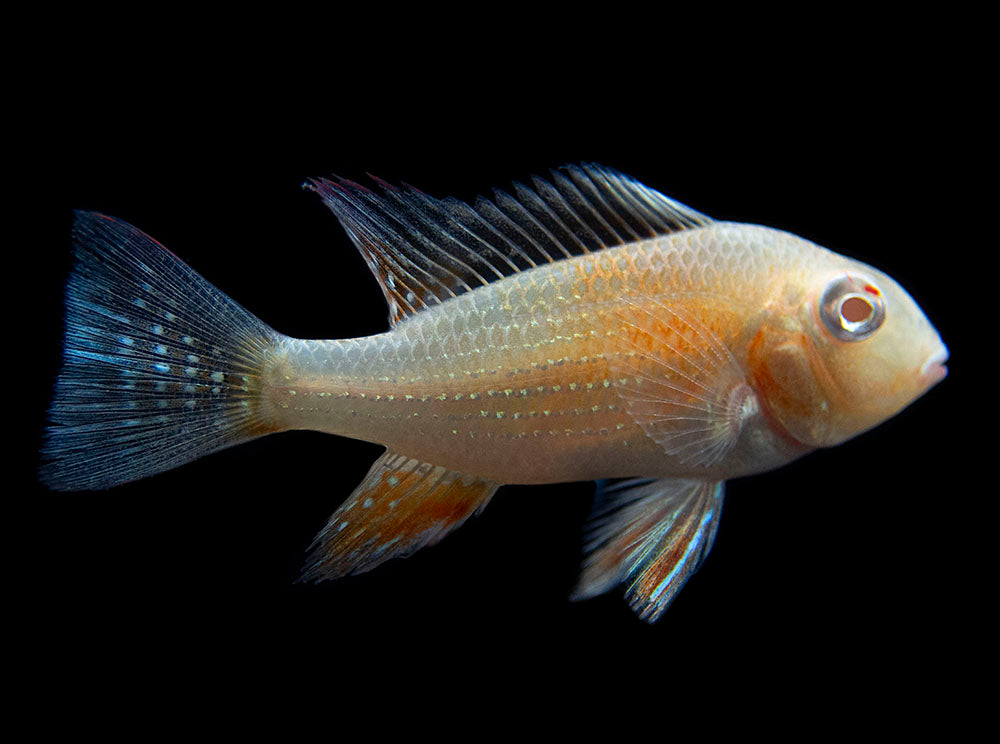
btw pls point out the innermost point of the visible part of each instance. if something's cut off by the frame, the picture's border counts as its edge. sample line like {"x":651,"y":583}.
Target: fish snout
{"x":933,"y":370}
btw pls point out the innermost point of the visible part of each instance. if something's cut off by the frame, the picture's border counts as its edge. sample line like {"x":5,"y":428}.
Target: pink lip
{"x":933,"y":370}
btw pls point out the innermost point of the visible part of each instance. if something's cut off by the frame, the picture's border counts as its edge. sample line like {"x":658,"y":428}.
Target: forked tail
{"x":159,"y":366}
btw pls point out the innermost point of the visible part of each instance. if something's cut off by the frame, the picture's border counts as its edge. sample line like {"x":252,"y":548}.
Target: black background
{"x":845,"y":560}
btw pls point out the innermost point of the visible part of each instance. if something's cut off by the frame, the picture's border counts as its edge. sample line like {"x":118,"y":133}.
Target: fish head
{"x":846,"y":349}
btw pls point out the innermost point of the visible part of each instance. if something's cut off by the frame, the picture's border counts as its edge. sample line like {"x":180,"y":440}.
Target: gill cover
{"x":784,"y":367}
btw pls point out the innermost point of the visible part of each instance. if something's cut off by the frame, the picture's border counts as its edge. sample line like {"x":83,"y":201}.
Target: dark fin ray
{"x":159,"y":367}
{"x":401,"y":506}
{"x":651,"y":536}
{"x":424,"y":251}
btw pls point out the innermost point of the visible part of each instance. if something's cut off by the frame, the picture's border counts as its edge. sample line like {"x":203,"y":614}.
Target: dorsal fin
{"x":424,"y":251}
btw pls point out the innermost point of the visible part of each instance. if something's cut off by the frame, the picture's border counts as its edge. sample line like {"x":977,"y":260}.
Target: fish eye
{"x":852,"y":307}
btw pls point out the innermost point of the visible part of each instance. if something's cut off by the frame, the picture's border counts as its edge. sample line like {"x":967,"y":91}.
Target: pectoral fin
{"x":679,"y":382}
{"x":650,"y":536}
{"x":401,"y":506}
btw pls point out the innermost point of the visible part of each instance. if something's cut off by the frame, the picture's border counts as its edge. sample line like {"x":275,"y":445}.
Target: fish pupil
{"x":856,"y":309}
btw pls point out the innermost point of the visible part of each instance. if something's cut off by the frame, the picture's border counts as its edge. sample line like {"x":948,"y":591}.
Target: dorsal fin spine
{"x":432,"y":252}
{"x":431,"y":208}
{"x":607,"y":215}
{"x":485,"y":207}
{"x":400,"y":262}
{"x":628,"y":201}
{"x":556,"y":224}
{"x":432,"y":268}
{"x":470,"y":215}
{"x":510,"y":208}
{"x":577,"y":203}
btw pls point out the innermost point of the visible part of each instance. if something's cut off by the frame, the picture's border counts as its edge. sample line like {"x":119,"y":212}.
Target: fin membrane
{"x":159,"y":367}
{"x":651,"y":536}
{"x":425,"y":250}
{"x":680,"y":382}
{"x":401,"y":506}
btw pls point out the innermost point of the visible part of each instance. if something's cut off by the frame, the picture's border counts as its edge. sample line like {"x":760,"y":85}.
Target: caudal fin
{"x":159,"y":366}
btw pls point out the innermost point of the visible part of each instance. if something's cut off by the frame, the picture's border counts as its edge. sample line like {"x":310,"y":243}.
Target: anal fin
{"x":651,"y":536}
{"x":402,"y":505}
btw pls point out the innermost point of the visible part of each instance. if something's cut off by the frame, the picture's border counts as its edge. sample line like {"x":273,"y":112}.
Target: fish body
{"x":583,"y":328}
{"x":521,"y":380}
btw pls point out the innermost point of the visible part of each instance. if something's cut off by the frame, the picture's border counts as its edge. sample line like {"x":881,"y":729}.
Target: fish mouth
{"x":933,"y":370}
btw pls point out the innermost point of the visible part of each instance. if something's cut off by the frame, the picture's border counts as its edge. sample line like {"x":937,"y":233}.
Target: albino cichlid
{"x":583,"y":327}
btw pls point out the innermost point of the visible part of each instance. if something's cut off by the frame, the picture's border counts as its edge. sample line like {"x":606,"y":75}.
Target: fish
{"x":580,"y":326}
